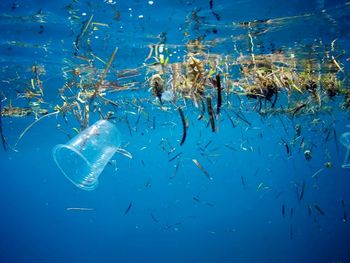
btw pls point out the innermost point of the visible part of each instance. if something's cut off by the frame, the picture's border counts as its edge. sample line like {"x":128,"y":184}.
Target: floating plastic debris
{"x":84,"y":157}
{"x":345,"y":140}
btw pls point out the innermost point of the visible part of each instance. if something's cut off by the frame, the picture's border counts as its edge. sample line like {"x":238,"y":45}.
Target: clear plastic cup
{"x":345,"y":140}
{"x":83,"y":158}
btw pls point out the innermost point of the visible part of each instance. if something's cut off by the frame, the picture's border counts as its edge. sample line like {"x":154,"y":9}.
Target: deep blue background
{"x":233,"y":222}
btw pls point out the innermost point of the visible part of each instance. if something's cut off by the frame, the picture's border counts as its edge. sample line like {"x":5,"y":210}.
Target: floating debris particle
{"x":3,"y":140}
{"x":328,"y":165}
{"x":85,"y":27}
{"x":176,"y":170}
{"x":176,"y":156}
{"x":32,"y":124}
{"x":196,"y":199}
{"x":128,"y":208}
{"x":99,"y":83}
{"x":287,"y":147}
{"x":202,"y":169}
{"x":218,"y":86}
{"x":260,"y":186}
{"x":211,"y":114}
{"x":240,"y":116}
{"x":242,"y":180}
{"x":308,"y":155}
{"x":302,"y":191}
{"x":317,"y":173}
{"x":79,"y":209}
{"x":319,"y":209}
{"x":184,"y":126}
{"x":124,"y":152}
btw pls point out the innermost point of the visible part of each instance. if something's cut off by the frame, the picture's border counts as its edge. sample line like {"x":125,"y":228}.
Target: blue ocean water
{"x":244,"y":193}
